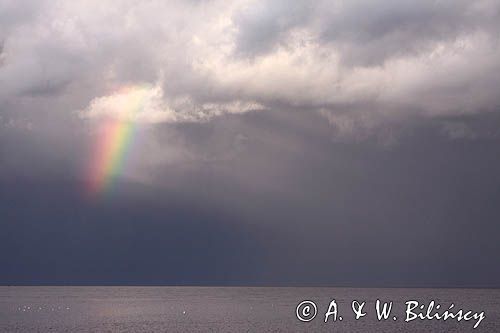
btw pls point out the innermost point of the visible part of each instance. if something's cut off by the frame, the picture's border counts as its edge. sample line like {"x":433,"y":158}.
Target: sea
{"x":240,"y":309}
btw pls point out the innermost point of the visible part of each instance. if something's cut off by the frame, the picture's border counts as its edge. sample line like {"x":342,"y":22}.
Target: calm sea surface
{"x":209,"y":309}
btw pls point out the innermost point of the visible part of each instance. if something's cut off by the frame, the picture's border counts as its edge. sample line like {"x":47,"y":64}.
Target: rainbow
{"x":116,"y":135}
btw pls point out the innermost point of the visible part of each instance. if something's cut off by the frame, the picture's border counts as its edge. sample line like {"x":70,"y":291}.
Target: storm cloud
{"x":273,"y":140}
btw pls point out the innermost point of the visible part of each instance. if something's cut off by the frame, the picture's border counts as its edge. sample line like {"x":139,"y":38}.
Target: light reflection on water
{"x":202,"y":309}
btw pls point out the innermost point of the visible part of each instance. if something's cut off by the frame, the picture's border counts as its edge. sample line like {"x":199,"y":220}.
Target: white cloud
{"x":193,"y":60}
{"x":147,"y":104}
{"x":136,"y":103}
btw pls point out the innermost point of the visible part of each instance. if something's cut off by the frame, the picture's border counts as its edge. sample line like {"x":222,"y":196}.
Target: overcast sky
{"x":276,"y":142}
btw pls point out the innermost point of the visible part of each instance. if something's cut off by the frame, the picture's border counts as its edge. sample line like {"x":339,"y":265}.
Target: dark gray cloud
{"x":371,"y":32}
{"x":274,"y":139}
{"x":264,"y":25}
{"x":366,"y":32}
{"x":277,"y":199}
